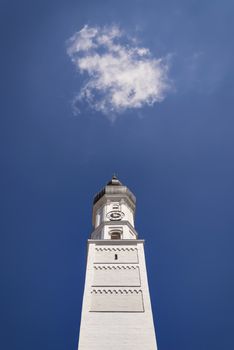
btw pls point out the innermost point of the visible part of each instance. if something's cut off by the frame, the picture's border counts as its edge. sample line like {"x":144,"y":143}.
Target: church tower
{"x":116,"y":310}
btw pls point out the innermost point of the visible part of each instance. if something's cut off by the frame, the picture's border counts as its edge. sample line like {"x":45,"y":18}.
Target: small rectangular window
{"x":116,"y":257}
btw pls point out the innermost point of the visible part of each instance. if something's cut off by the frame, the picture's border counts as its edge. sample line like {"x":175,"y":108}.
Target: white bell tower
{"x":116,"y":310}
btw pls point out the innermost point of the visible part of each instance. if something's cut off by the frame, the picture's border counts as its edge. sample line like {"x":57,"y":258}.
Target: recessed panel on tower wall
{"x":116,"y":300}
{"x":116,"y":275}
{"x":116,"y":254}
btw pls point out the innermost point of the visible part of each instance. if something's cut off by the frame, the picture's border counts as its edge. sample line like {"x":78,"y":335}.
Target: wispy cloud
{"x":121,"y":75}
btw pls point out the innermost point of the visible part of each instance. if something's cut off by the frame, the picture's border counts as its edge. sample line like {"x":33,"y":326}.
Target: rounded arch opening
{"x":115,"y":234}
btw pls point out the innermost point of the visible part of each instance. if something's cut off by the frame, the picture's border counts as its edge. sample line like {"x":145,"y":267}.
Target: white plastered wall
{"x":118,"y":317}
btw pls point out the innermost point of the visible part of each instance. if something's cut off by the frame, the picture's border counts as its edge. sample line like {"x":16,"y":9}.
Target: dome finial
{"x":114,"y":181}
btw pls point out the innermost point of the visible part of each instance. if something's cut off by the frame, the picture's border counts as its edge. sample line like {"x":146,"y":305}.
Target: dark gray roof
{"x":114,"y":186}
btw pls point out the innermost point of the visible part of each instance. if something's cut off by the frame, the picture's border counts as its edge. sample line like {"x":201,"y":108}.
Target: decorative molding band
{"x":116,"y":291}
{"x":114,"y":223}
{"x":115,"y":249}
{"x":115,"y":267}
{"x":114,"y":242}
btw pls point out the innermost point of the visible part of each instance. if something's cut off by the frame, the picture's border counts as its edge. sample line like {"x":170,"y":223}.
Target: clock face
{"x":115,"y":215}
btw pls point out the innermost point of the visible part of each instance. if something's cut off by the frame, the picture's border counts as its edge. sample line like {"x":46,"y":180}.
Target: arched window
{"x":115,"y":235}
{"x":115,"y":206}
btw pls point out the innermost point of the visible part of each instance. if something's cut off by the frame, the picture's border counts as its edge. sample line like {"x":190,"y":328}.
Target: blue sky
{"x":176,"y":156}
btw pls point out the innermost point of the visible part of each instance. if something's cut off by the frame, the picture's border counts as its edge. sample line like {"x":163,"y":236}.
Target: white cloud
{"x":121,"y":75}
